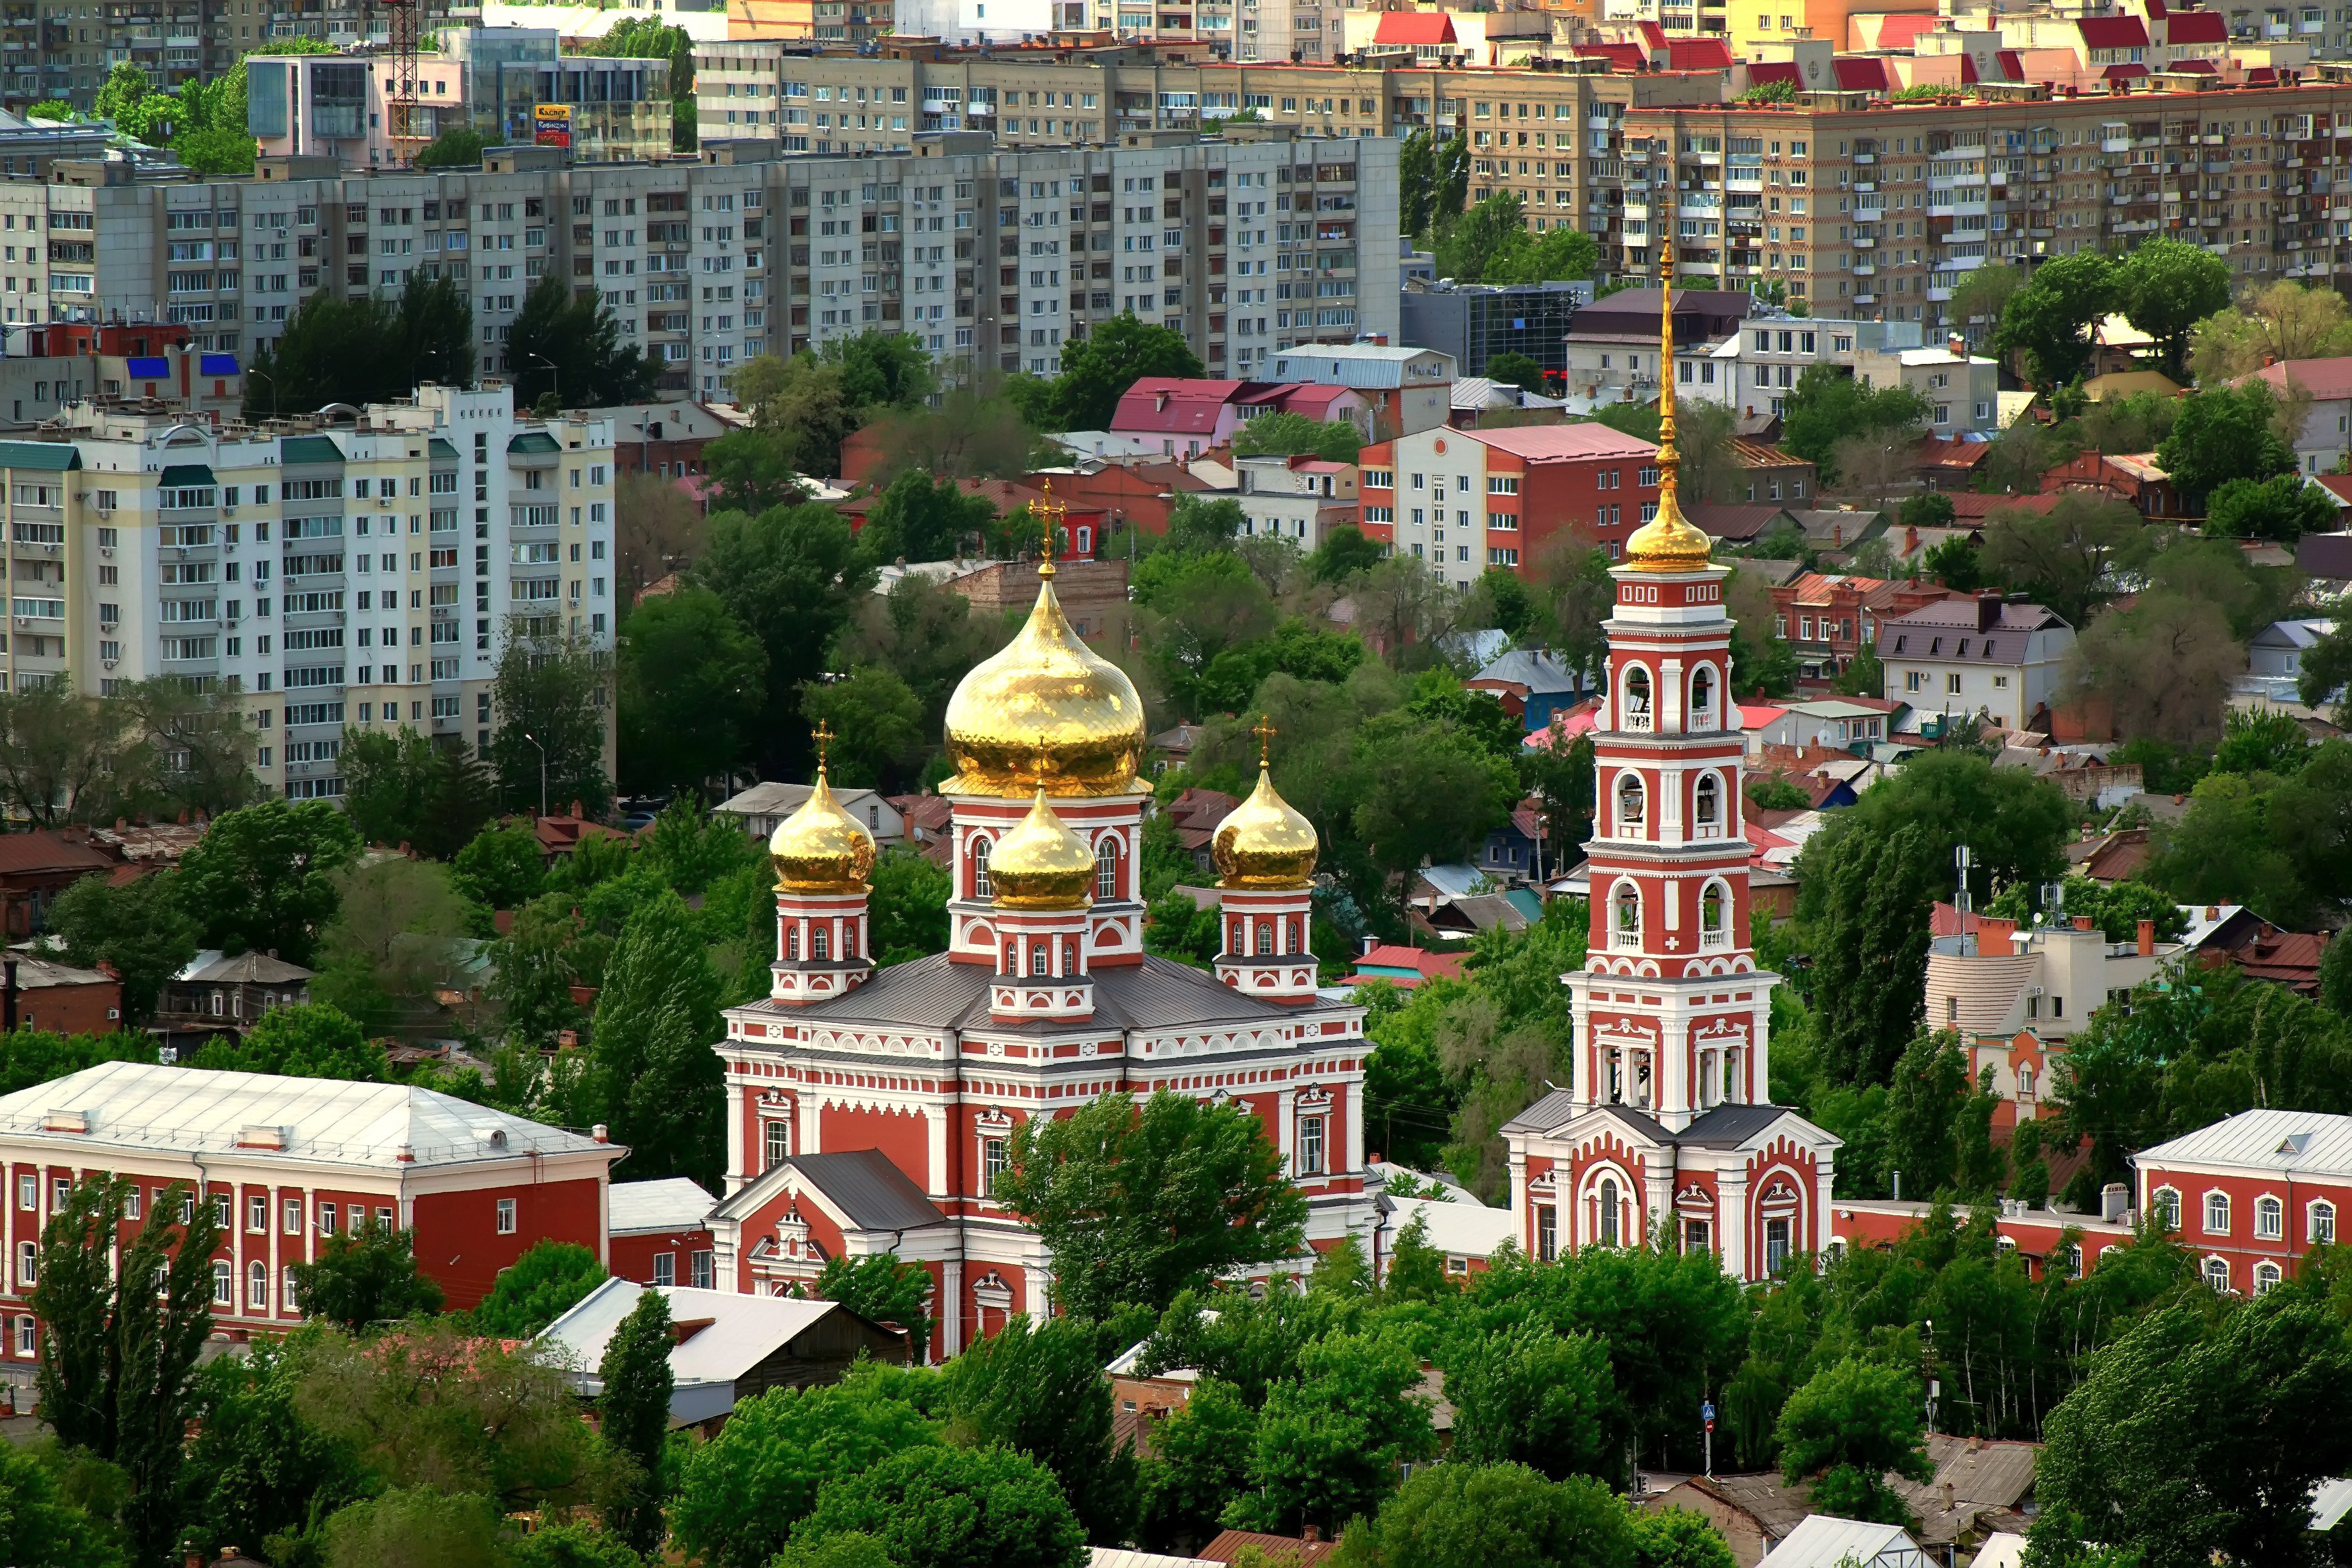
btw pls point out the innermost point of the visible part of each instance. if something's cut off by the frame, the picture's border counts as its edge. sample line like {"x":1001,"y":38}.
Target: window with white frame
{"x":257,"y":1284}
{"x":256,"y":1213}
{"x":1105,"y":871}
{"x":2164,"y":1206}
{"x":28,"y":1263}
{"x":1626,"y":930}
{"x":27,"y":1341}
{"x":776,"y":1138}
{"x":2267,"y":1276}
{"x":2270,"y":1219}
{"x":505,"y":1217}
{"x":2216,"y":1271}
{"x":1310,"y":1145}
{"x":2217,"y":1214}
{"x":2321,"y":1226}
{"x":665,"y":1268}
{"x":994,"y":1157}
{"x":224,"y":1284}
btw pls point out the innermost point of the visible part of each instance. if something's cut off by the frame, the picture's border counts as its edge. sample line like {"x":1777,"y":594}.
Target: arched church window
{"x":1107,"y":869}
{"x":818,"y":943}
{"x":1707,"y":805}
{"x":1703,"y":698}
{"x":979,"y":870}
{"x":1632,"y":799}
{"x":1636,"y":705}
{"x":1629,"y":916}
{"x":1608,"y":1213}
{"x":792,"y":944}
{"x":1041,"y":959}
{"x":1265,"y":939}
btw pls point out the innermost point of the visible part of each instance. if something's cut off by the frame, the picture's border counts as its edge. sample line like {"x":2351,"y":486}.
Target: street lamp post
{"x":543,"y":770}
{"x":554,"y":375}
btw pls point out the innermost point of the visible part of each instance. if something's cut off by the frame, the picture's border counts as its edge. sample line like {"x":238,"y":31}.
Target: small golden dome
{"x":1041,"y":863}
{"x":1045,"y":710}
{"x":821,"y":848}
{"x":1668,"y":542}
{"x":1264,"y":844}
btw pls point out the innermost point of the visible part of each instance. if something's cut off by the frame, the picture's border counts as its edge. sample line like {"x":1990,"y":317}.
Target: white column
{"x":735,"y":1176}
{"x":935,"y":1124}
{"x":1731,"y":1221}
{"x":1670,"y":696}
{"x":950,"y":1309}
{"x":1355,"y":1114}
{"x":1285,"y":1112}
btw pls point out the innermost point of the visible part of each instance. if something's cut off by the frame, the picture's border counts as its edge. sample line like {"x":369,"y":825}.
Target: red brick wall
{"x":904,"y":1139}
{"x":90,"y":1009}
{"x":632,"y":1256}
{"x":459,"y":1244}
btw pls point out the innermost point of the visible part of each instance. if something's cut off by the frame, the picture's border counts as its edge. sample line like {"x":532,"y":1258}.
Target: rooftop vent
{"x":261,"y":1137}
{"x":65,"y":1122}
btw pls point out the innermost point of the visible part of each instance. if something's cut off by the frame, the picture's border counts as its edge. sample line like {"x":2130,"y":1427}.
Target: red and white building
{"x":1666,"y":1129}
{"x":870,"y":1111}
{"x":1464,"y":500}
{"x":288,"y":1162}
{"x":2251,"y":1194}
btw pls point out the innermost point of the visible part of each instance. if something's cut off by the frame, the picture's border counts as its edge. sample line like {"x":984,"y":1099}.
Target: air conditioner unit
{"x":109,"y":663}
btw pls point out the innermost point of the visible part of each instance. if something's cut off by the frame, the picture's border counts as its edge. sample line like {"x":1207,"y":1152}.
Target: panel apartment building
{"x":989,"y":255}
{"x":1862,"y":208}
{"x":364,"y":570}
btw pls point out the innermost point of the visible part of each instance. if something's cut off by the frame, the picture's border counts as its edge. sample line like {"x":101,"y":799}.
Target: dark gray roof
{"x":1728,"y":1126}
{"x":936,"y":992}
{"x":1725,"y":1127}
{"x":1532,"y":668}
{"x":875,"y":1193}
{"x":1962,"y":613}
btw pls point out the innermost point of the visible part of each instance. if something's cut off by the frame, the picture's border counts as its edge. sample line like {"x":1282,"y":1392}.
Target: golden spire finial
{"x":822,"y":735}
{"x":1049,"y":513}
{"x":1668,"y":459}
{"x":1668,"y":542}
{"x":1264,"y":732}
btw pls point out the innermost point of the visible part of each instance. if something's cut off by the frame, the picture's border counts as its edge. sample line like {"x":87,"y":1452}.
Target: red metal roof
{"x":1552,"y":442}
{"x":2196,"y":27}
{"x":2193,"y":66}
{"x":1698,"y":55}
{"x":2113,"y":32}
{"x":2327,"y":379}
{"x":2123,"y":73}
{"x":2012,"y":65}
{"x":1862,"y":73}
{"x":1414,"y":27}
{"x":1652,"y":35}
{"x":1174,"y":406}
{"x":1763,"y":71}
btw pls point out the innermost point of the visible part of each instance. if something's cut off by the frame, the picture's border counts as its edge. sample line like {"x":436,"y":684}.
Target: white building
{"x":1977,"y":656}
{"x":1410,"y":389}
{"x":1296,"y":499}
{"x":1962,"y":389}
{"x":1754,"y":368}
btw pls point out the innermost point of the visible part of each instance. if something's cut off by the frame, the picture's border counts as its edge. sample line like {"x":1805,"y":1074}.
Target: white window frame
{"x":2215,"y":1200}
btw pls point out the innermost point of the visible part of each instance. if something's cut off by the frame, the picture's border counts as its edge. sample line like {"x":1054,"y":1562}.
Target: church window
{"x":1636,"y":703}
{"x":1107,"y":869}
{"x":1632,"y":800}
{"x":1703,"y":698}
{"x":1629,"y":916}
{"x":1697,"y":1237}
{"x":1776,"y":1246}
{"x":1547,"y":1232}
{"x":1265,"y":939}
{"x":979,"y":871}
{"x":1011,"y":958}
{"x":1707,"y":805}
{"x":777,"y":1138}
{"x":1041,"y":959}
{"x":1608,"y":1213}
{"x":817,"y":944}
{"x":1714,"y":917}
{"x":993,"y":1159}
{"x":1310,"y":1145}
{"x":792,"y":944}
{"x":849,"y":942}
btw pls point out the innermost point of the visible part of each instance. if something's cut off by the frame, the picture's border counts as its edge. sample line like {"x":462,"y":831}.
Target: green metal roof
{"x":294,"y":449}
{"x":59,"y":457}
{"x":181,"y":476}
{"x":442,"y":450}
{"x":533,"y":441}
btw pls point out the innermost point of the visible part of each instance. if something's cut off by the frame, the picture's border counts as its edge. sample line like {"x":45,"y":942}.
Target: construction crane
{"x":402,"y":118}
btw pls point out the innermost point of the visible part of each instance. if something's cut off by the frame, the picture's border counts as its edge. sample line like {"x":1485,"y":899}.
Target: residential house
{"x":2081,"y":772}
{"x":1753,"y":1513}
{"x":559,"y":833}
{"x":1824,"y":1541}
{"x":1299,"y":500}
{"x":1977,"y":656}
{"x":2131,"y":478}
{"x":44,"y":993}
{"x":668,"y":438}
{"x":1829,"y":726}
{"x":1454,"y":1223}
{"x":1769,"y":355}
{"x":1948,"y":463}
{"x":2117,"y":384}
{"x":1467,"y":500}
{"x":1515,"y":851}
{"x":1979,"y":1487}
{"x":726,"y":1347}
{"x":1741,"y":524}
{"x":2109,"y":858}
{"x":1409,"y":389}
{"x":1612,"y":343}
{"x":2288,"y":958}
{"x":1476,"y":396}
{"x":1274,"y":1550}
{"x":2328,"y":427}
{"x":34,"y":868}
{"x":765,"y":804}
{"x":1404,"y":967}
{"x":1195,"y":814}
{"x":1127,"y":494}
{"x":1532,"y":686}
{"x":2249,"y":1194}
{"x":1190,"y":416}
{"x":2274,"y":659}
{"x":1960,"y":386}
{"x":215,"y":995}
{"x":1827,"y":619}
{"x":149,"y":846}
{"x":1769,"y":476}
{"x":1838,"y":529}
{"x":660,"y":1232}
{"x":1093,"y":594}
{"x":1173,"y":748}
{"x":2017,"y":995}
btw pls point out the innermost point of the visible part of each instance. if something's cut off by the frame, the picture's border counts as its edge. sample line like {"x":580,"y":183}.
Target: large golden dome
{"x":1045,"y":710}
{"x":821,"y":848}
{"x":1264,"y":844}
{"x":1668,"y":542}
{"x":1041,"y":863}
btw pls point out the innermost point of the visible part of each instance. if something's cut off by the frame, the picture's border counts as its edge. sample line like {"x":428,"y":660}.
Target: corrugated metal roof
{"x":673,"y":1203}
{"x":2303,"y":1142}
{"x":56,"y":457}
{"x":740,"y":1331}
{"x":863,"y":1185}
{"x":935,"y":992}
{"x":181,"y":475}
{"x":188,"y":1110}
{"x":244,"y":968}
{"x":297,"y":449}
{"x":533,"y":441}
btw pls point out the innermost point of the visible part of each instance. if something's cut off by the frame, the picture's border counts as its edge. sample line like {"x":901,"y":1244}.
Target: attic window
{"x":496,"y":1137}
{"x":1964,"y":647}
{"x":1935,"y":648}
{"x":2293,"y":1143}
{"x":1988,"y":647}
{"x":1899,"y":642}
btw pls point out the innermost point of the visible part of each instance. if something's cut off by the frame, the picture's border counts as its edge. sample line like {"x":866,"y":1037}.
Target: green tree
{"x":418,"y":1527}
{"x":456,"y":147}
{"x":38,"y":1527}
{"x":1679,"y":1538}
{"x":877,"y":723}
{"x":2165,"y":287}
{"x":370,"y":349}
{"x":691,"y":677}
{"x":313,"y":1040}
{"x":1472,"y":1516}
{"x":634,"y":1412}
{"x":570,"y":346}
{"x":1100,"y":367}
{"x":1137,"y":1203}
{"x":1532,"y":1397}
{"x":1939,"y":1120}
{"x":878,"y":1286}
{"x":501,"y":868}
{"x":125,"y":1328}
{"x":263,"y":877}
{"x":1330,"y":1441}
{"x":138,"y":927}
{"x":919,"y":519}
{"x":1983,"y":295}
{"x":932,"y":1507}
{"x":1344,"y":551}
{"x":881,"y":370}
{"x":544,"y":1283}
{"x":534,"y":970}
{"x":256,"y":1472}
{"x":549,"y":694}
{"x":573,"y":1546}
{"x":1850,"y":1425}
{"x":923,"y":633}
{"x":651,"y":1074}
{"x":2283,"y":506}
{"x":1294,"y":435}
{"x":760,"y":468}
{"x":1560,"y":252}
{"x":391,"y":944}
{"x":2199,"y":1435}
{"x":1828,"y":405}
{"x":2220,"y":433}
{"x":908,"y":907}
{"x":364,"y":1278}
{"x":2276,"y":324}
{"x":742,"y":1492}
{"x":1515,"y":370}
{"x":402,"y":788}
{"x":1198,"y":1465}
{"x":1037,"y":1388}
{"x":2047,"y":323}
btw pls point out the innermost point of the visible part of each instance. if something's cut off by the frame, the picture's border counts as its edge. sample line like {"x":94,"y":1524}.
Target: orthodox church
{"x":1667,"y":1132}
{"x":870,"y":1111}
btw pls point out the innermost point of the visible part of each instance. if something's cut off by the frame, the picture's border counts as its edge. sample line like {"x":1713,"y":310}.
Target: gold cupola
{"x":1669,"y":542}
{"x":821,"y":848}
{"x":1047,"y":710}
{"x":1041,"y":863}
{"x":1264,"y":845}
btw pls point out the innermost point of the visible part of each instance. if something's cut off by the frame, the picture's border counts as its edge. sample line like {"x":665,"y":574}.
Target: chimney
{"x":1988,"y":611}
{"x":1958,"y":345}
{"x":2112,"y":1201}
{"x":2147,"y":939}
{"x":602,"y":1133}
{"x":1947,"y":1497}
{"x":2081,"y":922}
{"x":1310,"y":1533}
{"x":1910,"y":539}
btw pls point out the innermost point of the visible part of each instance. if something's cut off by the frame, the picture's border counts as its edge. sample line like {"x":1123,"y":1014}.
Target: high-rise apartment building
{"x":353,"y":571}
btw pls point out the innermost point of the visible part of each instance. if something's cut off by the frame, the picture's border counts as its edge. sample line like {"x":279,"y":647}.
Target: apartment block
{"x":360,"y":571}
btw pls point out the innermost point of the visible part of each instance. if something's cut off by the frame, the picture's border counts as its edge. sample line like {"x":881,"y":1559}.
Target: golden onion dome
{"x":1668,"y":542}
{"x":1041,"y":863}
{"x":1264,"y":844}
{"x":821,"y":848}
{"x":1046,"y":710}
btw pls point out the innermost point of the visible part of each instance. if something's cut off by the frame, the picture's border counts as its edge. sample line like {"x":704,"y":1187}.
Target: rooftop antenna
{"x":1962,"y":861}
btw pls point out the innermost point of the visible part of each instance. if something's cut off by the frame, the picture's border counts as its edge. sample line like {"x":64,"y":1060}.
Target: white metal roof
{"x":1121,"y":1557}
{"x":2331,"y":1500}
{"x":1824,"y":1541}
{"x":740,"y":1332}
{"x":174,"y":1111}
{"x":2303,"y":1142}
{"x":673,"y":1203}
{"x":1462,"y":1226}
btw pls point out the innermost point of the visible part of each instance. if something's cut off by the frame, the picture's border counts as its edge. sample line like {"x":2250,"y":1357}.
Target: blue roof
{"x":151,"y":369}
{"x":218,"y":364}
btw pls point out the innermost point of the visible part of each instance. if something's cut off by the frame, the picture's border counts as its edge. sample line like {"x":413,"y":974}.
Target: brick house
{"x":666,"y":438}
{"x":1467,"y":500}
{"x":1828,"y":619}
{"x":35,"y":866}
{"x":2251,"y":1194}
{"x":658,"y":1232}
{"x":288,"y":1162}
{"x":64,"y":999}
{"x":2132,"y":478}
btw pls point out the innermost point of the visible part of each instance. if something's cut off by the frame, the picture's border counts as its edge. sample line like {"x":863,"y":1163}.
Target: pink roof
{"x":2325,"y":379}
{"x":1315,"y":402}
{"x":1763,"y":838}
{"x":1563,"y":728}
{"x":2339,"y":486}
{"x":1755,"y":718}
{"x":1901,"y":31}
{"x":1624,"y":56}
{"x":1862,"y":73}
{"x":2196,"y":27}
{"x":1699,"y":55}
{"x":1174,"y":406}
{"x":1652,"y":35}
{"x":2113,"y":32}
{"x":1552,"y":442}
{"x":1414,"y":27}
